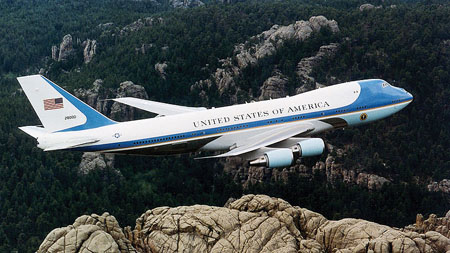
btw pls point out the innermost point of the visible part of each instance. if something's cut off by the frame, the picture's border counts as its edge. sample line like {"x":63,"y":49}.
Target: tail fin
{"x":57,"y":109}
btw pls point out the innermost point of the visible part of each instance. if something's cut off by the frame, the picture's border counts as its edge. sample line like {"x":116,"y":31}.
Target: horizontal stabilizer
{"x":157,"y":107}
{"x":34,"y":131}
{"x":71,"y":144}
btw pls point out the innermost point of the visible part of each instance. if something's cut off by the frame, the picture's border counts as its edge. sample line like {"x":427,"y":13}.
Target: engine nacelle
{"x":311,"y":147}
{"x":275,"y":158}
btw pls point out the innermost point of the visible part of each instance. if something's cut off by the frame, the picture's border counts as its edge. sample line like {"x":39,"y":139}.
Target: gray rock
{"x":65,"y":48}
{"x":55,"y":52}
{"x":139,"y":24}
{"x":96,"y":97}
{"x":95,"y":161}
{"x":144,"y":48}
{"x":127,"y":89}
{"x":366,"y":7}
{"x":93,"y":233}
{"x":161,"y":68}
{"x":89,"y":50}
{"x":306,"y":66}
{"x":185,"y":3}
{"x":274,"y":87}
{"x":442,"y":186}
{"x":260,"y":46}
{"x":106,"y":26}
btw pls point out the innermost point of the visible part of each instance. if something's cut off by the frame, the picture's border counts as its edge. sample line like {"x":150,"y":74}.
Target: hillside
{"x":211,"y":55}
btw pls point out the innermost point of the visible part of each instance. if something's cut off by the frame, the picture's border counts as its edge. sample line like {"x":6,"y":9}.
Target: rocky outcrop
{"x":139,"y":24}
{"x":55,"y":52}
{"x":365,"y":7}
{"x":143,"y":48}
{"x":127,"y":89}
{"x":90,"y":47}
{"x":331,"y":167}
{"x":274,"y":87}
{"x":92,"y":233}
{"x":65,"y":48}
{"x":260,"y":46}
{"x":442,"y":186}
{"x":433,"y":223}
{"x":93,"y":161}
{"x":96,"y":97}
{"x":253,"y":223}
{"x":185,"y":3}
{"x":161,"y":68}
{"x":306,"y":66}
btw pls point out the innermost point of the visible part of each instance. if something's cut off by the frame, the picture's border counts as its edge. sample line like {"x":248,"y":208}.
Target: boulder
{"x":89,"y":233}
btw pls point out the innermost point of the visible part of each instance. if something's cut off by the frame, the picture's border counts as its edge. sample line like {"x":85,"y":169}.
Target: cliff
{"x":253,"y":223}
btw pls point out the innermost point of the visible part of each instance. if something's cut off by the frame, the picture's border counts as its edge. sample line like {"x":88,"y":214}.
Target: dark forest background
{"x":408,"y":45}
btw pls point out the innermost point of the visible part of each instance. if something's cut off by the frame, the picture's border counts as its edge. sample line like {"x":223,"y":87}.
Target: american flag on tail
{"x":53,"y":103}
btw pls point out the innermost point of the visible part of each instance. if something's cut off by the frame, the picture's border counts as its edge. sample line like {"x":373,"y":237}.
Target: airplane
{"x":271,"y":133}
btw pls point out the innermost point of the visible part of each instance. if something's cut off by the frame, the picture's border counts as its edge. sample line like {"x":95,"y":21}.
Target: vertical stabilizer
{"x":57,"y":109}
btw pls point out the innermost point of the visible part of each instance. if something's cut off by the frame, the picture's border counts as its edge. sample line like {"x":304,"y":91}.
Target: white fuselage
{"x":335,"y":106}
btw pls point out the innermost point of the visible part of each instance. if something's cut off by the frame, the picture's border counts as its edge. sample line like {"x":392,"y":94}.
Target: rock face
{"x":65,"y":48}
{"x":185,"y":3}
{"x":253,"y":223}
{"x":442,"y":186}
{"x":366,"y":7}
{"x":90,"y":47}
{"x":55,"y":52}
{"x":139,"y":24}
{"x":260,"y":46}
{"x":96,"y":98}
{"x":331,"y":167}
{"x":127,"y":89}
{"x":274,"y":87}
{"x":97,"y":95}
{"x":92,"y":233}
{"x":433,"y":223}
{"x":92,"y":161}
{"x":306,"y":65}
{"x":161,"y":68}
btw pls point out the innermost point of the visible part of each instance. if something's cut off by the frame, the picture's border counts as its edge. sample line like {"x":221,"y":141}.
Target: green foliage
{"x":405,"y":46}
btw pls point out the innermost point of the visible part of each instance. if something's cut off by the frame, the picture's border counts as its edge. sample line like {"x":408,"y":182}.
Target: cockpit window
{"x":384,"y":85}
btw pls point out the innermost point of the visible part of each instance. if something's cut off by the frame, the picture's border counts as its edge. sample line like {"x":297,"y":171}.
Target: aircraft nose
{"x":409,"y":96}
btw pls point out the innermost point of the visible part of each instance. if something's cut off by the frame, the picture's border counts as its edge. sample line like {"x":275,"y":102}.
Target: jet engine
{"x":275,"y":158}
{"x":311,"y":147}
{"x":298,"y":147}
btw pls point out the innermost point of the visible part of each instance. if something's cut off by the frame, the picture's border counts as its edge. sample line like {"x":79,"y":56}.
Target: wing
{"x":157,"y":107}
{"x":267,"y":138}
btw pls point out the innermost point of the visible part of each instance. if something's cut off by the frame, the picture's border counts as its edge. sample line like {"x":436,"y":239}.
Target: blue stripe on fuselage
{"x":372,"y":95}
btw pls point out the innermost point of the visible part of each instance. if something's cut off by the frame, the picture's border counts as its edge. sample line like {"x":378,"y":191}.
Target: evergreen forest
{"x":406,"y":43}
